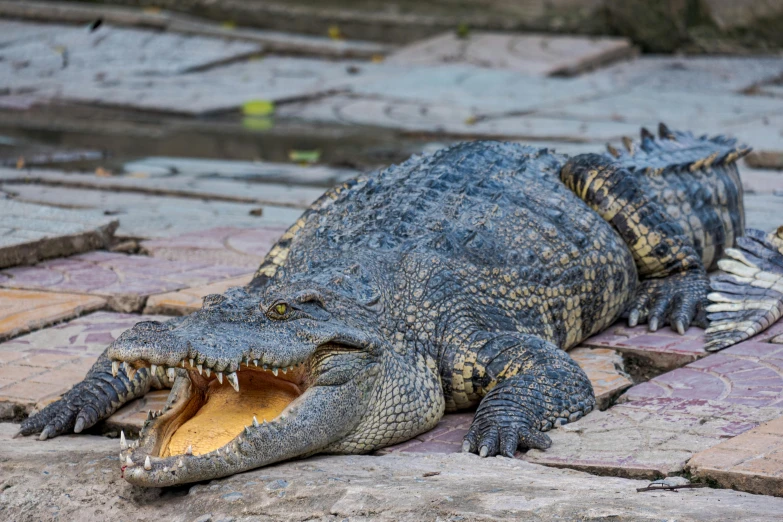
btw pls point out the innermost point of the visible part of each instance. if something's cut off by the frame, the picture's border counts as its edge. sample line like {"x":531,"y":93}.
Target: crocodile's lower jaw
{"x":224,"y":412}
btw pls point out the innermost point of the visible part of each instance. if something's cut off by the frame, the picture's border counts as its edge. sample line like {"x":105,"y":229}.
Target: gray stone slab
{"x":62,"y":12}
{"x":186,"y":186}
{"x":29,"y":233}
{"x":487,"y":91}
{"x":711,"y":113}
{"x":78,"y":477}
{"x":147,"y":216}
{"x":764,"y":211}
{"x":217,"y":89}
{"x":455,"y":120}
{"x":535,"y":54}
{"x":66,"y":51}
{"x":697,"y":74}
{"x":124,"y":281}
{"x":317,"y":175}
{"x":764,"y":135}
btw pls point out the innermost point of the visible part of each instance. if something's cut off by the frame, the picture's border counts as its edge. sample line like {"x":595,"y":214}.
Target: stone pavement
{"x":124,"y":281}
{"x":232,"y":246}
{"x":22,"y":310}
{"x":261,"y":171}
{"x":149,"y":216}
{"x":750,"y":462}
{"x":78,"y":478}
{"x":29,"y":233}
{"x":37,"y":368}
{"x":542,"y":54}
{"x":182,"y":186}
{"x":188,"y":300}
{"x":662,"y":350}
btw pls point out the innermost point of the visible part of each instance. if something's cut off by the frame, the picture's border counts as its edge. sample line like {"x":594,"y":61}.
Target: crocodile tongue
{"x":225,"y":412}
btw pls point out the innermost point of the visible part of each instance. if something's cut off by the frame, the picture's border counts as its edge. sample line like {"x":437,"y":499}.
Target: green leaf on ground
{"x":258,"y":108}
{"x":304,"y":156}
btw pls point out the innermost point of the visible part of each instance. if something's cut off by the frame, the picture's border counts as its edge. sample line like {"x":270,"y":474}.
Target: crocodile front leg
{"x":98,"y":396}
{"x":529,"y":386}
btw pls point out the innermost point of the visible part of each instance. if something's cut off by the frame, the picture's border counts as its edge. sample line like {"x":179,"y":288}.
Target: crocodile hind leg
{"x":528,"y":386}
{"x":674,"y":284}
{"x":749,"y":297}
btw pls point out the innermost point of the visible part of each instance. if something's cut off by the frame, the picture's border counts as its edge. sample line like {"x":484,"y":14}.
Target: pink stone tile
{"x":748,"y":373}
{"x":126,"y":280}
{"x":664,"y":349}
{"x":224,"y":245}
{"x":454,"y":436}
{"x":434,"y":447}
{"x":41,"y":365}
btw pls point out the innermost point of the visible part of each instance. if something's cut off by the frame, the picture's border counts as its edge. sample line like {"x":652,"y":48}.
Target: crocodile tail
{"x":748,"y":298}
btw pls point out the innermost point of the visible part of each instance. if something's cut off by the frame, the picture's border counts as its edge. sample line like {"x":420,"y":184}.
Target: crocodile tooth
{"x":189,"y":451}
{"x":232,"y":380}
{"x":150,"y":415}
{"x":200,"y":369}
{"x":217,"y":452}
{"x":255,"y":422}
{"x":129,"y":371}
{"x":266,"y":367}
{"x":208,"y":371}
{"x":123,"y":442}
{"x":255,"y":362}
{"x":181,"y":463}
{"x":274,"y":371}
{"x":128,"y":461}
{"x":219,"y":376}
{"x":153,"y":369}
{"x":285,"y":369}
{"x":115,"y":368}
{"x":182,"y":362}
{"x":171,"y":373}
{"x":147,"y":463}
{"x":192,"y":363}
{"x":247,"y":430}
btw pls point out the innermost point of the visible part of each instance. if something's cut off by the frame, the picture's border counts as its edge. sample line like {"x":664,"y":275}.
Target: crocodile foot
{"x":678,"y":300}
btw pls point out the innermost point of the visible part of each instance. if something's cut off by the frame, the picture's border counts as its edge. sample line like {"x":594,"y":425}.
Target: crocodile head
{"x":294,"y":370}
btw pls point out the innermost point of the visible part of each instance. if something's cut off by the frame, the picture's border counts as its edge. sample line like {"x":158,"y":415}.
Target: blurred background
{"x":176,"y":114}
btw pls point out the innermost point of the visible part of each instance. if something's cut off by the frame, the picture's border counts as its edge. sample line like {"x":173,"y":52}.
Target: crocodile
{"x":452,"y":281}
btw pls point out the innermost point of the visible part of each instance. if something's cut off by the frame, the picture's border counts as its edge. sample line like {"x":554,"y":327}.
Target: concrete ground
{"x":142,"y":170}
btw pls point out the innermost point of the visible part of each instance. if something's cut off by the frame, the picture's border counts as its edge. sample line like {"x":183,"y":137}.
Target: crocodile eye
{"x":281,"y":308}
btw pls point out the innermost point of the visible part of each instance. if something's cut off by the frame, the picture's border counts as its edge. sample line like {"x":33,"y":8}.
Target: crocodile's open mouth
{"x":214,"y":408}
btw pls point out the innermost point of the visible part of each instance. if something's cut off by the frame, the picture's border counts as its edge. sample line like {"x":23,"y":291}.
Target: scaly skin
{"x":448,"y":282}
{"x":749,"y":297}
